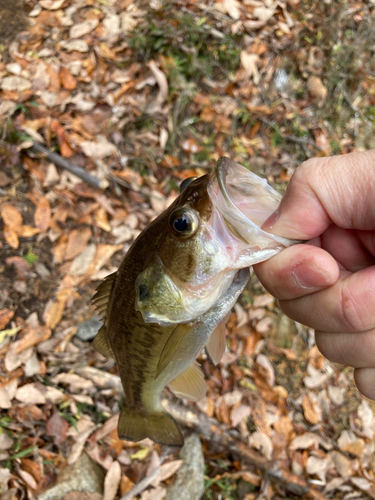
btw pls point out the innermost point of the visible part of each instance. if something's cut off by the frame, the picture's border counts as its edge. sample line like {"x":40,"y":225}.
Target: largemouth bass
{"x":174,"y":289}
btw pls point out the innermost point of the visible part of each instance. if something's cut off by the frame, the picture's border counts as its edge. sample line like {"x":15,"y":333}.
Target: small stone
{"x":87,"y":330}
{"x":189,"y":483}
{"x":84,"y":476}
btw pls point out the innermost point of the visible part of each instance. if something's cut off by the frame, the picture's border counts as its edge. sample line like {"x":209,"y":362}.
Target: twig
{"x":211,"y":431}
{"x":59,"y":161}
{"x":356,"y":109}
{"x":291,"y":138}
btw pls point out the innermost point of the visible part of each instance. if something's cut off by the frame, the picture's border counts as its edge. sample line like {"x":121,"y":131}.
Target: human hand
{"x":329,"y":284}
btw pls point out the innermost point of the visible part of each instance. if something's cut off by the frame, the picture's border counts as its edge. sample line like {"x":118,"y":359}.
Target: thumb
{"x":322,"y":191}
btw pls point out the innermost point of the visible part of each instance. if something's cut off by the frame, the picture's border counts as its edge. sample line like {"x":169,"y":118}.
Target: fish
{"x":175,"y":288}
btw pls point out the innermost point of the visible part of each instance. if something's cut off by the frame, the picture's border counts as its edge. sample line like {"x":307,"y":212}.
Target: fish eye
{"x":184,"y":223}
{"x":184,"y":184}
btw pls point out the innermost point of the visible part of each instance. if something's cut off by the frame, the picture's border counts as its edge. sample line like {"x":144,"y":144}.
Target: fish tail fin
{"x":158,"y":426}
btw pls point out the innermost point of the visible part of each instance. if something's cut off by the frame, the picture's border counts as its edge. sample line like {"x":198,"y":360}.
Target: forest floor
{"x":142,"y":95}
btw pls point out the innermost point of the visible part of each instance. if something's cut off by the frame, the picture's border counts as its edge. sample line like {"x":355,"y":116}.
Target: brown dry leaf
{"x":262,"y":442}
{"x":317,"y":89}
{"x":68,"y":81}
{"x":6,"y":442}
{"x":30,"y":394}
{"x":11,"y":237}
{"x":32,"y":337}
{"x":7,"y":393}
{"x":11,"y":216}
{"x":112,"y":481}
{"x":342,"y":464}
{"x":80,"y":29}
{"x":311,"y":408}
{"x":239,"y":413}
{"x":51,"y":4}
{"x":250,"y":64}
{"x":32,"y":468}
{"x":156,"y":105}
{"x":28,"y":479}
{"x":266,"y":369}
{"x":167,"y":470}
{"x":77,"y":242}
{"x":57,"y":427}
{"x":350,"y":443}
{"x":103,"y":254}
{"x":78,"y":446}
{"x":317,"y":466}
{"x":42,"y":215}
{"x":305,"y":441}
{"x":53,"y":311}
{"x":82,"y":263}
{"x":76,"y":383}
{"x":125,"y":485}
{"x":101,"y":219}
{"x":154,"y":494}
{"x":5,"y":316}
{"x":27,"y":231}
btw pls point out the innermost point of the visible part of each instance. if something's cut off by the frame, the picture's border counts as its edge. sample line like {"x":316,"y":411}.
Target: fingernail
{"x":268,"y":224}
{"x":307,"y":275}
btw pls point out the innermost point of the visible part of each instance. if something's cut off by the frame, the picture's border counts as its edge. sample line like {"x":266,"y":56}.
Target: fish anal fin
{"x":101,"y":344}
{"x":171,"y":346}
{"x":158,"y":426}
{"x":216,"y":344}
{"x":190,"y":384}
{"x":101,"y":297}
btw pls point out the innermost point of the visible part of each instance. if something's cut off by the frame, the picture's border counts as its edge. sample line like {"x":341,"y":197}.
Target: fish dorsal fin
{"x":190,"y":383}
{"x":101,"y":297}
{"x":171,"y":346}
{"x":216,"y":344}
{"x":101,"y":344}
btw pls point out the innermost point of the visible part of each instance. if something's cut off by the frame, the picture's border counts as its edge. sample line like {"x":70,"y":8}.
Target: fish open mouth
{"x":245,"y":201}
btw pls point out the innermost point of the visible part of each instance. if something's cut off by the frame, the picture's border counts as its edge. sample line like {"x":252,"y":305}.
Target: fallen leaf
{"x":11,"y":216}
{"x":112,"y":481}
{"x":53,"y":312}
{"x":32,"y":337}
{"x":311,"y":408}
{"x":77,"y":242}
{"x":15,"y":83}
{"x":169,"y":469}
{"x":305,"y":441}
{"x":83,"y":262}
{"x":51,"y":4}
{"x":80,"y":29}
{"x":29,"y":394}
{"x":342,"y":464}
{"x":28,"y":478}
{"x":67,"y":79}
{"x":11,"y":237}
{"x":57,"y":427}
{"x":239,"y":413}
{"x":9,"y":333}
{"x":316,"y":466}
{"x":76,"y":383}
{"x":6,"y":442}
{"x":262,"y":442}
{"x":7,"y":393}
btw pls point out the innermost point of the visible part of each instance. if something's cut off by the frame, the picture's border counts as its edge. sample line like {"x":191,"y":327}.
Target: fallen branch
{"x":211,"y":431}
{"x":61,"y":162}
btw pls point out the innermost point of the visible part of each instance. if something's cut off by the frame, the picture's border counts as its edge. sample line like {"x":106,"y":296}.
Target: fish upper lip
{"x":237,"y":217}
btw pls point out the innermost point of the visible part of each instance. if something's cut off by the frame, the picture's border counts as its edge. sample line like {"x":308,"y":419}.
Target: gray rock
{"x":87,"y":330}
{"x":85,"y":475}
{"x":189,"y":483}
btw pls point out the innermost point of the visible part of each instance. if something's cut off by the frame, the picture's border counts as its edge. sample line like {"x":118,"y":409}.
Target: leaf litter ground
{"x":142,"y":95}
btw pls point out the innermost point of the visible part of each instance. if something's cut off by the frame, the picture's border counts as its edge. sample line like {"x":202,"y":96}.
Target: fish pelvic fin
{"x":101,"y":344}
{"x":190,"y":383}
{"x":158,"y":426}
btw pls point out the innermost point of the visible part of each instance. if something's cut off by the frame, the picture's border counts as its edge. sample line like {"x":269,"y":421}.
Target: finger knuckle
{"x":352,"y":309}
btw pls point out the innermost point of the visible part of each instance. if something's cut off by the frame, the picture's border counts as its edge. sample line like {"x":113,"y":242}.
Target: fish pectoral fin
{"x":171,"y":346}
{"x":190,"y":384}
{"x":158,"y":426}
{"x":216,"y":344}
{"x":101,"y":297}
{"x":101,"y":344}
